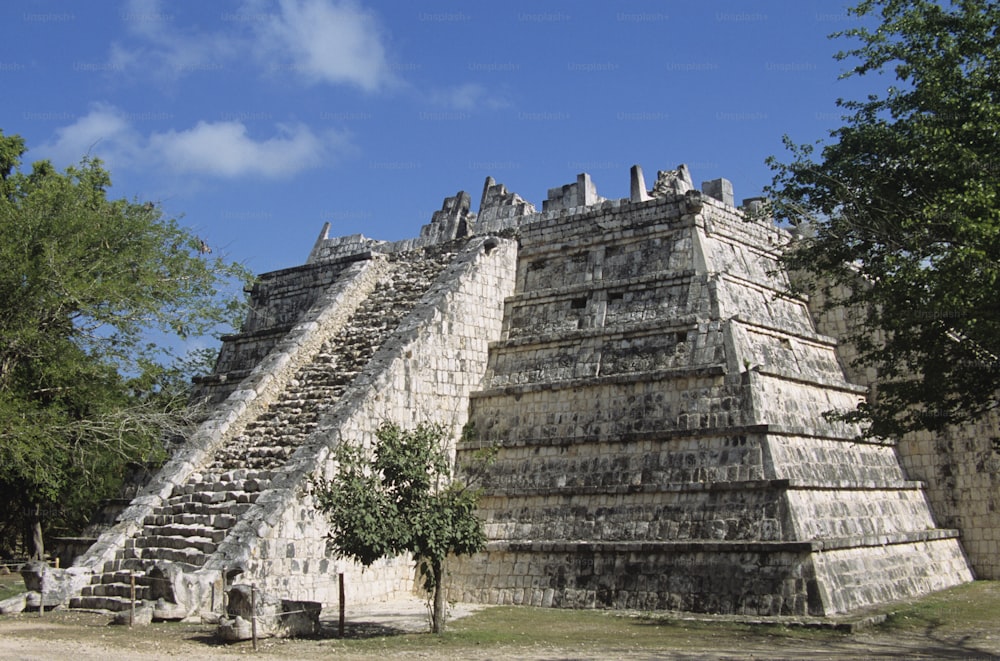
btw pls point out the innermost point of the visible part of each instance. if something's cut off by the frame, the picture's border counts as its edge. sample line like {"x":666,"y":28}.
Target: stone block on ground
{"x":276,"y":618}
{"x":143,"y":616}
{"x":13,"y":605}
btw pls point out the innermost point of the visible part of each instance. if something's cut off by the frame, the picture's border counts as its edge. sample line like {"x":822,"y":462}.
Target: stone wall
{"x":960,"y":465}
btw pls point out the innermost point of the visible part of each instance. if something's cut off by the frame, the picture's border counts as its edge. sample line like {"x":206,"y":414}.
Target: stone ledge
{"x":631,"y":377}
{"x":234,"y":376}
{"x":687,"y":322}
{"x":359,"y":256}
{"x":678,"y":277}
{"x":713,"y":546}
{"x":281,"y":331}
{"x":830,"y":384}
{"x":844,"y":485}
{"x":668,"y":435}
{"x":701,"y":487}
{"x":815,"y":338}
{"x":787,"y":430}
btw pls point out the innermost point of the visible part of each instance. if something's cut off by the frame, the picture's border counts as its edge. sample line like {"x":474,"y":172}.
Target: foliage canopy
{"x":397,"y":498}
{"x":901,"y":210}
{"x":86,"y":281}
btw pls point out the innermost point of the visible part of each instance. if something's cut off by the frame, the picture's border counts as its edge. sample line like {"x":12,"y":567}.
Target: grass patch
{"x":583,"y":632}
{"x":10,"y":585}
{"x":971,"y":605}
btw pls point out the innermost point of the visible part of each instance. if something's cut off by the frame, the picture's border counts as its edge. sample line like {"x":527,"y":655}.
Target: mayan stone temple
{"x":654,"y":392}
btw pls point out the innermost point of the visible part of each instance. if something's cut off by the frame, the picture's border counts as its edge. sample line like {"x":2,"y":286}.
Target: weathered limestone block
{"x":452,"y":221}
{"x":672,"y":182}
{"x":14,"y":605}
{"x":179,"y":594}
{"x":280,"y":618}
{"x":637,"y":188}
{"x":497,"y":204}
{"x":720,"y":189}
{"x":55,"y":586}
{"x":580,"y":194}
{"x":143,"y":616}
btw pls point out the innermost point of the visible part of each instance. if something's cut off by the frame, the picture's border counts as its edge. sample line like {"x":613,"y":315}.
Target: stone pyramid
{"x":655,"y":394}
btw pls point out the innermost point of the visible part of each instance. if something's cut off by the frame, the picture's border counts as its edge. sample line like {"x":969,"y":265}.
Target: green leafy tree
{"x":86,"y":281}
{"x":901,"y":210}
{"x":400,"y":497}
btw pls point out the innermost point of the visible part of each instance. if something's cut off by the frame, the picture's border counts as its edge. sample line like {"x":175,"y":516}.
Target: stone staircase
{"x":190,"y":524}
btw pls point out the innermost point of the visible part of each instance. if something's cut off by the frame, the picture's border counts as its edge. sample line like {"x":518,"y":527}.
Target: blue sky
{"x":257,"y":121}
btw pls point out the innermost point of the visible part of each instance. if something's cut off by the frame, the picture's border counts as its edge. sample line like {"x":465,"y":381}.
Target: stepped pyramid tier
{"x":654,"y":394}
{"x":656,"y":400}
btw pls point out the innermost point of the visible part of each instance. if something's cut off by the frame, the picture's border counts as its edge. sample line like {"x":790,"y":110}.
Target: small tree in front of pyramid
{"x":400,"y":497}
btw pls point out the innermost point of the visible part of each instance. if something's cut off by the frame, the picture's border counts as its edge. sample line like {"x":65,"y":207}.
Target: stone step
{"x":122,"y":576}
{"x":223,"y":510}
{"x":109,"y":603}
{"x":123,"y":590}
{"x":175,"y":542}
{"x":193,"y":530}
{"x":213,"y":497}
{"x":192,"y":557}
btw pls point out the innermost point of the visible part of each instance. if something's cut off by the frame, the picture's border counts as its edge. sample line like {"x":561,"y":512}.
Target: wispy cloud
{"x":334,"y":42}
{"x":468,"y":96}
{"x":156,"y":44}
{"x":324,"y":41}
{"x":219,"y":149}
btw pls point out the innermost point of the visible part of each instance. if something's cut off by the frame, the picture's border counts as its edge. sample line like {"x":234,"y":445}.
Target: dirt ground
{"x":375,"y":632}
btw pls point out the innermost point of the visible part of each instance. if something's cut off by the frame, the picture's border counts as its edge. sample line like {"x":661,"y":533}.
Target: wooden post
{"x":340,"y":626}
{"x":131,"y":606}
{"x":253,"y":615}
{"x":225,"y":595}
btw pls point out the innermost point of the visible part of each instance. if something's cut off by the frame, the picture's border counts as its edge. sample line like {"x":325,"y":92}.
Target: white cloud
{"x":224,"y":149}
{"x":326,"y":42}
{"x":220,"y":149}
{"x":104,"y":132}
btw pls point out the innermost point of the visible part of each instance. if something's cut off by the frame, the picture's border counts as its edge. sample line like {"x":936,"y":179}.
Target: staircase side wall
{"x":424,"y":373}
{"x":264,"y":384}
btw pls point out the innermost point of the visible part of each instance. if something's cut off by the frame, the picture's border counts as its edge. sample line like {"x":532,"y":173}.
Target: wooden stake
{"x":340,"y":626}
{"x":131,"y":613}
{"x":253,"y":617}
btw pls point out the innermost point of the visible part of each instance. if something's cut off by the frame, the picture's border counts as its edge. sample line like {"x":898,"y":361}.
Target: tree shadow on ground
{"x":328,"y":631}
{"x":927,"y":639}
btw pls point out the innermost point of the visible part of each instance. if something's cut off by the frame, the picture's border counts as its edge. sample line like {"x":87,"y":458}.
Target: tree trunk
{"x":37,"y":542}
{"x":437,"y":620}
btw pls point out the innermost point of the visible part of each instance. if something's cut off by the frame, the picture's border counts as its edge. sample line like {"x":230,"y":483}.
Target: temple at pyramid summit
{"x":653,"y":390}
